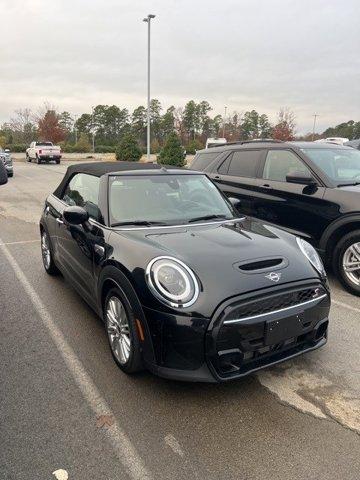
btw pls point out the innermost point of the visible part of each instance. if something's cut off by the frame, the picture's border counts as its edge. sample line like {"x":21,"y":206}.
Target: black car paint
{"x":179,"y":343}
{"x":317,"y":212}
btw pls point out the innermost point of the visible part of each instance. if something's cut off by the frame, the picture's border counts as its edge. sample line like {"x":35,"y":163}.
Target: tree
{"x":110,"y":123}
{"x":138,"y":124}
{"x":233,"y":127}
{"x":193,"y":146}
{"x":2,"y":141}
{"x":155,"y":119}
{"x":348,"y":130}
{"x":285,"y":128}
{"x":191,"y":119}
{"x":22,"y":126}
{"x":172,"y":153}
{"x":66,"y":122}
{"x":254,"y":126}
{"x":83,"y":123}
{"x":128,"y":149}
{"x":167,"y":123}
{"x":50,"y":129}
{"x":83,"y":145}
{"x":265,"y":127}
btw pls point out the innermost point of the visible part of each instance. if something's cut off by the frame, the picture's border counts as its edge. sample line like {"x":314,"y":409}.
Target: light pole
{"x":313,"y":133}
{"x":224,"y":123}
{"x":93,"y":130}
{"x":148,"y":21}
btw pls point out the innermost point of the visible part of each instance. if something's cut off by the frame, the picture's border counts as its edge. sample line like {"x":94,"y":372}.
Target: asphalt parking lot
{"x":65,"y":404}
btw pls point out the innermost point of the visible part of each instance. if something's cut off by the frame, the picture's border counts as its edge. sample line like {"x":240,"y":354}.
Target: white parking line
{"x":19,"y":243}
{"x":25,"y":176}
{"x":123,"y":448}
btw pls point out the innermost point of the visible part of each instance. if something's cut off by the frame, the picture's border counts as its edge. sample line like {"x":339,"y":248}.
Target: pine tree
{"x":172,"y":153}
{"x":128,"y":150}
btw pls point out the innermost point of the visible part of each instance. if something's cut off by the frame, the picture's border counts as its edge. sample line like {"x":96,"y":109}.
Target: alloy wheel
{"x":45,"y":250}
{"x":118,"y":330}
{"x":351,"y":263}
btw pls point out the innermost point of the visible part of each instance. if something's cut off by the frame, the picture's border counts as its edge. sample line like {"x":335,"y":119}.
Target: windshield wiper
{"x":208,"y":217}
{"x":348,"y":184}
{"x":137,"y":223}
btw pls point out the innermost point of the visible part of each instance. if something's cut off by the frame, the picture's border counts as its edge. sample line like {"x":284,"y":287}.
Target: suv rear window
{"x":203,"y":160}
{"x":244,"y":163}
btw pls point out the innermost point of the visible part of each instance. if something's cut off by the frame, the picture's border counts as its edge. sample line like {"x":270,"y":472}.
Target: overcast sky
{"x":244,"y":54}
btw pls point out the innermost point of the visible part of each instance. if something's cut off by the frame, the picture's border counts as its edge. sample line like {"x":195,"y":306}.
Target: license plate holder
{"x":283,"y":329}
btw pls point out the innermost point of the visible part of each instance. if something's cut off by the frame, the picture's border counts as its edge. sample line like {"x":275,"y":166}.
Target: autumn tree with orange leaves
{"x":285,"y":128}
{"x":49,"y":127}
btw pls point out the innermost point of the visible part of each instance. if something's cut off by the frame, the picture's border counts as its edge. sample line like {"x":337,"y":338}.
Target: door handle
{"x":266,"y":185}
{"x":59,"y":221}
{"x":217,"y":177}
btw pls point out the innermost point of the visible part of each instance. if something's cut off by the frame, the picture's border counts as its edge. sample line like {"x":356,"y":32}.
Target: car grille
{"x":256,"y":331}
{"x":268,"y":304}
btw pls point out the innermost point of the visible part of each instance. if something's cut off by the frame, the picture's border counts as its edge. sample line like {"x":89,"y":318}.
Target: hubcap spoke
{"x":118,"y":330}
{"x":351,"y":263}
{"x":45,"y":250}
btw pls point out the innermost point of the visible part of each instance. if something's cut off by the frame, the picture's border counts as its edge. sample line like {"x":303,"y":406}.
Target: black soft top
{"x":98,"y":169}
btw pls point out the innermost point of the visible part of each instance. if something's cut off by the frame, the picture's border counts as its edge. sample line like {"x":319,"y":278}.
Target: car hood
{"x":215,"y":253}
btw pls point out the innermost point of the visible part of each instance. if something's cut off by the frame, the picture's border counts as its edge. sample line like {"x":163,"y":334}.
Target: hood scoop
{"x":263,"y":264}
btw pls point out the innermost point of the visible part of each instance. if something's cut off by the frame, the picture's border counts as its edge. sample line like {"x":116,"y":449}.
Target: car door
{"x":236,"y":177}
{"x":75,"y":243}
{"x":300,"y":208}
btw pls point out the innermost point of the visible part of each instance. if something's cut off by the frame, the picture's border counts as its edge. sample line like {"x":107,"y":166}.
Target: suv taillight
{"x":40,"y":152}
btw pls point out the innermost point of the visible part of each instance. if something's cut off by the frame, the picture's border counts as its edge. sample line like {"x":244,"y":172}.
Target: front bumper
{"x":245,"y":334}
{"x":9,"y":168}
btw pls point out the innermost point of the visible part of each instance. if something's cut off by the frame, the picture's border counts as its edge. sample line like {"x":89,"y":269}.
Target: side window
{"x":280,"y":163}
{"x":244,"y":163}
{"x":203,"y":160}
{"x":224,"y":167}
{"x":83,"y":191}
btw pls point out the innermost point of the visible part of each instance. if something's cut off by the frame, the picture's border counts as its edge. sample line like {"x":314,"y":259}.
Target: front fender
{"x":122,"y":280}
{"x":335,"y":225}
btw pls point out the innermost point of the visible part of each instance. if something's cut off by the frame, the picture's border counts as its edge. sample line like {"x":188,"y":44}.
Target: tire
{"x":10,"y":175}
{"x":120,"y":325}
{"x":57,"y":161}
{"x":348,"y":251}
{"x":38,"y":161}
{"x":28,"y":159}
{"x":47,"y":256}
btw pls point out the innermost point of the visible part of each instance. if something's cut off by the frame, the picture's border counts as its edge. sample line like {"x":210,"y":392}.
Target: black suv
{"x":309,"y":189}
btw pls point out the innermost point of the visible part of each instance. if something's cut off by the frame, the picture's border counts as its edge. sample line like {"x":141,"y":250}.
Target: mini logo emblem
{"x":274,"y":277}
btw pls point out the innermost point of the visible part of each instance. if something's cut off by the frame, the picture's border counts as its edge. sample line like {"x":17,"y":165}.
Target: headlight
{"x":172,"y":282}
{"x":312,"y":255}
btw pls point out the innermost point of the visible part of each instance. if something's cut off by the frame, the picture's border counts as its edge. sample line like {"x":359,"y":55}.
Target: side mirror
{"x":301,"y":178}
{"x":236,"y":203}
{"x":75,"y":215}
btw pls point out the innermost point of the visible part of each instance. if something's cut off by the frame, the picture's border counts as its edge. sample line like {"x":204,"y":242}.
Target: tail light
{"x":40,"y":152}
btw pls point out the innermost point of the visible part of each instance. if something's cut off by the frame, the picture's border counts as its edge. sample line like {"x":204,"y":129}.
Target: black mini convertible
{"x":186,"y":288}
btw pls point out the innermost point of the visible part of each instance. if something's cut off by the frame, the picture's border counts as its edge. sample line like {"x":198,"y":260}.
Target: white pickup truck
{"x":43,"y":151}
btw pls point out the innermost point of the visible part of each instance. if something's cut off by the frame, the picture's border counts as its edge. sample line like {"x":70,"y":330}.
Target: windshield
{"x":342,"y":165}
{"x":165,"y":200}
{"x":44,"y":144}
